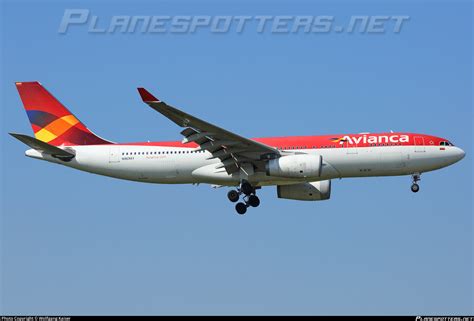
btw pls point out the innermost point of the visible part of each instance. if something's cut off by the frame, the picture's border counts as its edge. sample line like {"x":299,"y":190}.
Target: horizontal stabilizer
{"x":45,"y":148}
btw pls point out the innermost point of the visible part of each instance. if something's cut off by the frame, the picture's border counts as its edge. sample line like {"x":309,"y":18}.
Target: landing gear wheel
{"x":246,"y":188}
{"x":233,"y":196}
{"x":416,"y":177}
{"x":253,"y":201}
{"x":241,"y":208}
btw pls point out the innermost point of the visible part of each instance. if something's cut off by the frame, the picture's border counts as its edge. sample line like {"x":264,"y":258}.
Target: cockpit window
{"x":444,"y":143}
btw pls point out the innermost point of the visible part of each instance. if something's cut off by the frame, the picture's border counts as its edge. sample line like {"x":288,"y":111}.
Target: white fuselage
{"x":177,"y":165}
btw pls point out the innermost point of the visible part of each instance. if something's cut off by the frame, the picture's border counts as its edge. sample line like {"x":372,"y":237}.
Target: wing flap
{"x":221,"y":143}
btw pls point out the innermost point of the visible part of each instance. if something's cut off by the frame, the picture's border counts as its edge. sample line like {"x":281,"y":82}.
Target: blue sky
{"x":76,"y":243}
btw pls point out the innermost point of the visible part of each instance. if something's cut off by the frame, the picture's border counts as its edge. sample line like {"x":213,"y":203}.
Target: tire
{"x":253,"y":201}
{"x":241,"y":208}
{"x":233,"y":195}
{"x":246,"y":188}
{"x":415,"y":188}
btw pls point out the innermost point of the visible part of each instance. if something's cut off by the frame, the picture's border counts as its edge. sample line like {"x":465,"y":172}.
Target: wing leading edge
{"x":233,"y":150}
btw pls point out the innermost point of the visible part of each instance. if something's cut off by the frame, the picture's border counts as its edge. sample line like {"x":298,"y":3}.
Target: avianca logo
{"x":364,"y":139}
{"x":339,"y":140}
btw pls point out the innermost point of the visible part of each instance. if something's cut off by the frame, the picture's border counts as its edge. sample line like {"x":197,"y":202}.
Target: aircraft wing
{"x":232,"y":149}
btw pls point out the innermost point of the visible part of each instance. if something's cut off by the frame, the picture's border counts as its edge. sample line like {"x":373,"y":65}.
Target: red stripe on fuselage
{"x":327,"y":141}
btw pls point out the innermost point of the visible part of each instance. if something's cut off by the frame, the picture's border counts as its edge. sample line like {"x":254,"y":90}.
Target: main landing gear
{"x":249,"y":198}
{"x":416,"y":178}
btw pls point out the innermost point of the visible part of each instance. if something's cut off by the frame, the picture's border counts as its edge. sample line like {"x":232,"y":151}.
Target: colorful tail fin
{"x":53,"y":123}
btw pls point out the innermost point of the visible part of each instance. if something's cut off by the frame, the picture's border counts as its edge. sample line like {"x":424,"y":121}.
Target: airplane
{"x":301,"y":167}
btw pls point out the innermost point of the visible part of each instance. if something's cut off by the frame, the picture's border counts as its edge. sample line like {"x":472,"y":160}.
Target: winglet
{"x":146,"y":96}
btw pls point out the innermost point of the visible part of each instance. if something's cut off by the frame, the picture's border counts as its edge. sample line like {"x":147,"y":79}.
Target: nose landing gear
{"x":416,"y":178}
{"x":249,"y":199}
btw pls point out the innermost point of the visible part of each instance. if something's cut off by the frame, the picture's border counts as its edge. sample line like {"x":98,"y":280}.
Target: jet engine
{"x":295,"y":166}
{"x":314,"y":191}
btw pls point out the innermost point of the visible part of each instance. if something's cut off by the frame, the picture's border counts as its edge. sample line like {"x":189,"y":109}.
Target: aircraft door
{"x":419,"y":144}
{"x":114,"y":154}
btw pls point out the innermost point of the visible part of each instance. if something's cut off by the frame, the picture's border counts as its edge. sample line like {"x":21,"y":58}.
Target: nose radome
{"x":460,"y":153}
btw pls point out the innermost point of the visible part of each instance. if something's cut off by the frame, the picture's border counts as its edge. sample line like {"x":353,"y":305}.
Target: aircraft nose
{"x":461,"y":154}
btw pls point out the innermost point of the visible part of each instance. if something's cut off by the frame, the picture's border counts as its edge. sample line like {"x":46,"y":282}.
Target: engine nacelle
{"x":315,"y":191}
{"x":295,"y":166}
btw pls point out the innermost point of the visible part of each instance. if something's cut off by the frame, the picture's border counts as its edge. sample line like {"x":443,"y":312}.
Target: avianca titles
{"x":301,"y":167}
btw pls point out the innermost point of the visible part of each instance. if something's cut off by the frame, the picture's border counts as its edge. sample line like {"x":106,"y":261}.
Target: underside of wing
{"x":233,"y":150}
